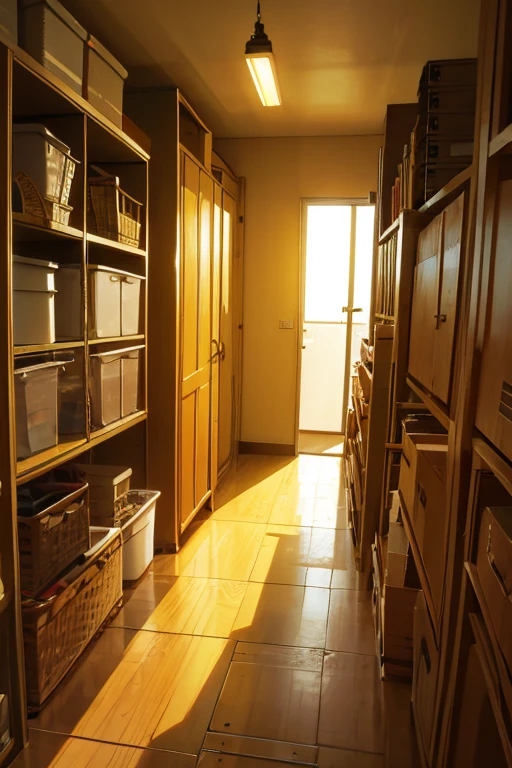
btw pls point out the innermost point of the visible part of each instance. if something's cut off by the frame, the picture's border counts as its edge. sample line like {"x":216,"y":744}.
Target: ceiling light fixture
{"x":260,"y":60}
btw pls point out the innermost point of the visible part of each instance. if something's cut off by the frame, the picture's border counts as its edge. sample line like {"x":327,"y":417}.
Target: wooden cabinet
{"x":434,"y":304}
{"x":192,"y":321}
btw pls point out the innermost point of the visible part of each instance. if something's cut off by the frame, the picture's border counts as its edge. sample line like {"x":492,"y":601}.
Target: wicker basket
{"x":52,"y":539}
{"x":36,"y":208}
{"x":57,"y":630}
{"x":117,"y":215}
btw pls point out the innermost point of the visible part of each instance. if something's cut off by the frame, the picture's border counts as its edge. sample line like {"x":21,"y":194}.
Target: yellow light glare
{"x":261,"y":66}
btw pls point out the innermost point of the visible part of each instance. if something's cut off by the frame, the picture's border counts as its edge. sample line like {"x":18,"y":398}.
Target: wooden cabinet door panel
{"x":187,"y":456}
{"x":226,"y":388}
{"x":189,"y":266}
{"x":425,"y":302}
{"x":449,"y":281}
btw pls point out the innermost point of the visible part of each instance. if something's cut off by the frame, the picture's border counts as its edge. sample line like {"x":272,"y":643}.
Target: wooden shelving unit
{"x":436,"y":408}
{"x":29,"y":93}
{"x":502,"y":143}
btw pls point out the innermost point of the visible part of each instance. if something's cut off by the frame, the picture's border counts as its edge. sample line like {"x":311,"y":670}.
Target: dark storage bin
{"x":441,"y":151}
{"x":455,"y":126}
{"x":53,"y":537}
{"x":448,"y":100}
{"x":59,"y":625}
{"x":448,"y":72}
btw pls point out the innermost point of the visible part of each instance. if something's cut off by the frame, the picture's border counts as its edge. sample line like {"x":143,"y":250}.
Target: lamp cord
{"x":258,"y":12}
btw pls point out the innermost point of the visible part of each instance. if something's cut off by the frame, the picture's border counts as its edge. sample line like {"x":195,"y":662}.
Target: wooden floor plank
{"x":328,"y":757}
{"x":217,"y":550}
{"x":52,"y":750}
{"x":142,"y":689}
{"x":183,"y":605}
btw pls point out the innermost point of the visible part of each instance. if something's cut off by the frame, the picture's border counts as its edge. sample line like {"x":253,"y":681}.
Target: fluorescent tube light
{"x":260,"y":60}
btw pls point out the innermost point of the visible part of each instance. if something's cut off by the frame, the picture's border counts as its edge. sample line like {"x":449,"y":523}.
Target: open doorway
{"x":337,"y":257}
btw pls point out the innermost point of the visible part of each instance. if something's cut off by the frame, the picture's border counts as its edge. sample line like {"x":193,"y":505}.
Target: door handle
{"x":216,"y":354}
{"x":351,"y":309}
{"x":441,"y":318}
{"x":222,"y":350}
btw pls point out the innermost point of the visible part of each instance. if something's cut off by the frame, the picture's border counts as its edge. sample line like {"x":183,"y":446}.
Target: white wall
{"x":279,"y":172}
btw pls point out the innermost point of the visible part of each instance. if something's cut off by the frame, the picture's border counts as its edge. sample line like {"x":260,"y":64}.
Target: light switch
{"x":285,"y":325}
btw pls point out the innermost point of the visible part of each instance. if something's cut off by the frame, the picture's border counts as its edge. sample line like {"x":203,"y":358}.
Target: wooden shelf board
{"x":436,"y":409}
{"x":497,"y":463}
{"x":5,"y":602}
{"x":116,"y":246}
{"x":42,"y":462}
{"x":395,"y":226}
{"x":116,"y":340}
{"x":98,"y":435}
{"x":502,"y":143}
{"x":35,"y":348}
{"x":34,"y":231}
{"x":448,"y":193}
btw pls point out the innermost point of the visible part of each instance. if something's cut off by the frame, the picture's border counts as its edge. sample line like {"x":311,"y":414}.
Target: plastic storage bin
{"x":114,"y":307}
{"x":104,"y":80}
{"x":53,"y":531}
{"x":59,"y":625}
{"x":9,"y":27}
{"x":34,"y":301}
{"x":108,"y":485}
{"x":54,"y":38}
{"x":114,"y":385}
{"x":35,"y":389}
{"x":45,"y":159}
{"x":138,"y":528}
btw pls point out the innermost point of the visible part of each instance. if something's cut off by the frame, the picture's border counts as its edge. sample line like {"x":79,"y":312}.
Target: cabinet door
{"x":226,"y":392}
{"x":449,"y":281}
{"x":195,"y":320}
{"x":425,"y":304}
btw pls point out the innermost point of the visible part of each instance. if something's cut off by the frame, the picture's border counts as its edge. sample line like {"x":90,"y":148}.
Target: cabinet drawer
{"x":448,"y":72}
{"x":435,"y":150}
{"x":450,"y":100}
{"x":435,"y":124}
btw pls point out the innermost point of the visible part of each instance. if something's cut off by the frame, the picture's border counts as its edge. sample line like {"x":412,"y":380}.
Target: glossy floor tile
{"x":271,"y":693}
{"x":351,"y":709}
{"x":218,"y":550}
{"x":214,"y":760}
{"x":283,"y":615}
{"x":186,"y":605}
{"x":350,"y":624}
{"x":289,"y":751}
{"x":52,"y":750}
{"x":142,"y":689}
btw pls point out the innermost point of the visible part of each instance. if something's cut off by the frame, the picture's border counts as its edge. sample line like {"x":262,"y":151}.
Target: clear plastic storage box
{"x":33,"y":301}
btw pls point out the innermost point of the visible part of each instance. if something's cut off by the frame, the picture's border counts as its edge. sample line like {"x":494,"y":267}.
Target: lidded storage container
{"x":55,"y":39}
{"x":104,"y":80}
{"x":114,"y":308}
{"x":34,"y":300}
{"x":138,"y":528}
{"x":35,"y":389}
{"x":114,"y":385}
{"x":108,"y":485}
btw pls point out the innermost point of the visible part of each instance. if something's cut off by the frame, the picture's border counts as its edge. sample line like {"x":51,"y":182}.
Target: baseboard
{"x":266,"y":449}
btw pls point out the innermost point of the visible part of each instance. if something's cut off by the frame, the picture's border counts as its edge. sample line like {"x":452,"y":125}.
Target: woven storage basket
{"x":117,"y":215}
{"x":43,"y":211}
{"x":57,"y":630}
{"x":55,"y":537}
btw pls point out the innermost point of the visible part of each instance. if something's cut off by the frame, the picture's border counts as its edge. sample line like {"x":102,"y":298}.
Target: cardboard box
{"x":412,"y":443}
{"x":397,"y":624}
{"x":430,"y":519}
{"x":424,"y":685}
{"x":397,"y":556}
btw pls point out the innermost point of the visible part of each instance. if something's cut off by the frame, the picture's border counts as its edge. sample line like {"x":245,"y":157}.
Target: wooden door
{"x":226,"y":337}
{"x":195,"y":316}
{"x":216,"y":291}
{"x":449,"y":281}
{"x":425,"y":302}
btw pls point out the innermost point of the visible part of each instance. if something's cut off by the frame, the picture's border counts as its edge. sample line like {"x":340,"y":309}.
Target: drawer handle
{"x":425,"y":654}
{"x":506,"y":592}
{"x":441,"y":318}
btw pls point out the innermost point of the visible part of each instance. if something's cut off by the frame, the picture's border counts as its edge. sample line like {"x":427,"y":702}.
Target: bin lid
{"x":35,"y":262}
{"x":102,"y":268}
{"x":41,"y":130}
{"x":100,"y":49}
{"x":113,"y":353}
{"x":59,"y":10}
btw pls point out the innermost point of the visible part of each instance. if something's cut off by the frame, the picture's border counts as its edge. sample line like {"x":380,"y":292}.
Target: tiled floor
{"x":255,"y":641}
